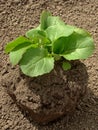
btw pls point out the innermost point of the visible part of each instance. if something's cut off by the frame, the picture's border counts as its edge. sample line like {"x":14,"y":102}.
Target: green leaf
{"x":35,"y":62}
{"x":43,"y":19}
{"x":79,"y":45}
{"x":66,"y":65}
{"x":57,"y":31}
{"x":35,"y":33}
{"x":20,"y":40}
{"x":17,"y":53}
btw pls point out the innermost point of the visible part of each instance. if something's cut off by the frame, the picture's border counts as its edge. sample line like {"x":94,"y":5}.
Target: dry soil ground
{"x":16,"y":17}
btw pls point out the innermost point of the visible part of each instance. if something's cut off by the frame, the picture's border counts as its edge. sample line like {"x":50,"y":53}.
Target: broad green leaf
{"x":78,"y":45}
{"x":35,"y":62}
{"x":43,"y":19}
{"x":17,"y":53}
{"x":20,"y":40}
{"x":66,"y":65}
{"x":57,"y":31}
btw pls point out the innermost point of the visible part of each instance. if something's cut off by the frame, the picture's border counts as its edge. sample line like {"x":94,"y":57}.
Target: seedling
{"x":52,"y":40}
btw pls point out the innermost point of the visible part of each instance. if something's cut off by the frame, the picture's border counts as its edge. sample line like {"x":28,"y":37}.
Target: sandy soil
{"x":18,"y":16}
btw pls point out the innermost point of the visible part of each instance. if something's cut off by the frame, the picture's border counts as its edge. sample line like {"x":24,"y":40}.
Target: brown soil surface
{"x":16,"y":17}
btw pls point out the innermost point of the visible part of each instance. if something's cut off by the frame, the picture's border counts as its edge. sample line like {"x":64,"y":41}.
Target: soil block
{"x":50,"y":96}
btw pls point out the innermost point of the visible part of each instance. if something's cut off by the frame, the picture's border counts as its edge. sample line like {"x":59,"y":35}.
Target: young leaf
{"x":35,"y":62}
{"x":66,"y":65}
{"x":57,"y":57}
{"x":20,"y":40}
{"x":38,"y":36}
{"x":57,"y":31}
{"x":43,"y":19}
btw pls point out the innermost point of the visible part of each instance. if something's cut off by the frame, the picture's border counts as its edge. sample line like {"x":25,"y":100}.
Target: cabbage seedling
{"x":37,"y":51}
